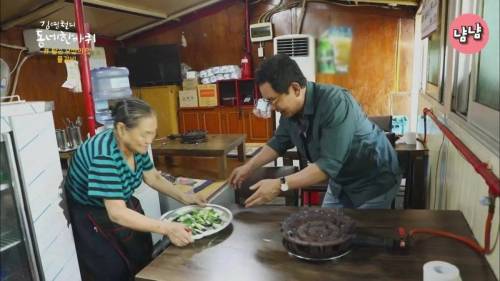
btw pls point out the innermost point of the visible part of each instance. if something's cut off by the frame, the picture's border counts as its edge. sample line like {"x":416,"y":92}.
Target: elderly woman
{"x":110,"y":229}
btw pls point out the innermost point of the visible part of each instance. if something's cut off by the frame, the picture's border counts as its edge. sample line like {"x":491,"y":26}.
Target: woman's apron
{"x":134,"y":247}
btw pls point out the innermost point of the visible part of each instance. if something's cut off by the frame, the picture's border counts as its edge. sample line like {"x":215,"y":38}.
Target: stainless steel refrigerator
{"x":36,"y":237}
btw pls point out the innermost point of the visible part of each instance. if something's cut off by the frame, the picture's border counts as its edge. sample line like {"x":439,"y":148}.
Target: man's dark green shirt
{"x":333,"y":132}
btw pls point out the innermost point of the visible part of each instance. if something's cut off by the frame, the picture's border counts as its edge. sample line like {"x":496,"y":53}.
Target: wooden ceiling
{"x":116,"y":19}
{"x":119,"y":19}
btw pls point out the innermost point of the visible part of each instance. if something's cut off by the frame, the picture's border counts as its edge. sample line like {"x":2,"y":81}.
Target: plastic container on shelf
{"x":108,"y":83}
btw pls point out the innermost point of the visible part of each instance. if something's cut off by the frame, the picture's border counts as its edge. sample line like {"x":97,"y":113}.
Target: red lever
{"x":402,"y":237}
{"x":402,"y":232}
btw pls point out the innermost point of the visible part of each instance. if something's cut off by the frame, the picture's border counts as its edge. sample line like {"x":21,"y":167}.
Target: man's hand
{"x":239,"y":175}
{"x":190,"y":198}
{"x":265,"y":191}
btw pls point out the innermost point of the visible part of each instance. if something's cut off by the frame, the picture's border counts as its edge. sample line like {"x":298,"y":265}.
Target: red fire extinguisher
{"x":246,"y":66}
{"x":246,"y":61}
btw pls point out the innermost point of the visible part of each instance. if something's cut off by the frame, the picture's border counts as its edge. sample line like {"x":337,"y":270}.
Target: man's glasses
{"x":272,"y":101}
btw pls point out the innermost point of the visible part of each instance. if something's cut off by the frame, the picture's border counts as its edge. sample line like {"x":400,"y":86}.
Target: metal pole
{"x":84,"y":66}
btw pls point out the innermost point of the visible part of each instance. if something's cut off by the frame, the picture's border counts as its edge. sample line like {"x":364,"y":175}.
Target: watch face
{"x":284,"y":187}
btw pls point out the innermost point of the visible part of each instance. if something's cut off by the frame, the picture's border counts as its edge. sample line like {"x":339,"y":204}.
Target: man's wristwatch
{"x":284,"y":184}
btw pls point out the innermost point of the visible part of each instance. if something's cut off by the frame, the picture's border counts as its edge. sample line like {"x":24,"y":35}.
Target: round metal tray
{"x":225,"y":215}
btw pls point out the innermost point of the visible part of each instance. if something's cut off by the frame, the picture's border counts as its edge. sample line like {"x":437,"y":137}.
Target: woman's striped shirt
{"x":99,"y":171}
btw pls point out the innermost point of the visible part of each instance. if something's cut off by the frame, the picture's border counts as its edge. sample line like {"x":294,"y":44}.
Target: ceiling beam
{"x":35,"y":15}
{"x":388,"y":2}
{"x":170,"y":17}
{"x":127,"y":9}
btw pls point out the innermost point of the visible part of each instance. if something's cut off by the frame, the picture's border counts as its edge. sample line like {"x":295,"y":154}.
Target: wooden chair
{"x":317,"y":188}
{"x":291,"y":196}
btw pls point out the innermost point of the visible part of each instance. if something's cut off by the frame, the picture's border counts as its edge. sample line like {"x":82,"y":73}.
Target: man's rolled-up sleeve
{"x":337,"y":132}
{"x":281,"y":141}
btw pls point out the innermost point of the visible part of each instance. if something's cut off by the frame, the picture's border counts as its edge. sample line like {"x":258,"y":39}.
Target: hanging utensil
{"x":78,"y":121}
{"x":68,"y":121}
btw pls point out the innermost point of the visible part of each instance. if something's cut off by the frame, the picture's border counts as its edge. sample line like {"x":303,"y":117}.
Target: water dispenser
{"x":108,"y":83}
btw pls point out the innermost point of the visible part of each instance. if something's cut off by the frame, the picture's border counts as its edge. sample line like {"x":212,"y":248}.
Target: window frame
{"x":462,"y":64}
{"x":432,"y":90}
{"x":482,"y":116}
{"x":473,"y":122}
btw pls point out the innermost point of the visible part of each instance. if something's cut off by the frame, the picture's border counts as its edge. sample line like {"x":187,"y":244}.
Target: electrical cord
{"x":13,"y":46}
{"x":263,"y":16}
{"x":18,"y":64}
{"x":17,"y":61}
{"x":267,"y":16}
{"x":436,"y":173}
{"x":302,"y":15}
{"x":285,"y":8}
{"x":352,"y":5}
{"x":274,"y":10}
{"x":17,"y":74}
{"x":445,"y":198}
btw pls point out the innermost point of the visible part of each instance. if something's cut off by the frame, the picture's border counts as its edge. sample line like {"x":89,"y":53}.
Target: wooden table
{"x":251,"y":250}
{"x":413,"y":160}
{"x":216,"y":146}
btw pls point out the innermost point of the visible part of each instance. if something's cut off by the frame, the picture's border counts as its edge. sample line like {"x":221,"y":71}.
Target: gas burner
{"x":191,"y":137}
{"x":194,"y":141}
{"x":318,"y":234}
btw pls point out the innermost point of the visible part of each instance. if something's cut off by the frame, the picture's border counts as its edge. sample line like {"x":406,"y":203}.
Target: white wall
{"x":462,"y":187}
{"x":453,"y":182}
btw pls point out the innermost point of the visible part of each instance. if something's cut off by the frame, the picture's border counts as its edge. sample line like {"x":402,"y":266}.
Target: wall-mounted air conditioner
{"x":301,"y":48}
{"x":36,"y":40}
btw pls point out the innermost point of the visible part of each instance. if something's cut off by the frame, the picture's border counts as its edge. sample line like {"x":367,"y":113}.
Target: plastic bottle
{"x":108,"y":83}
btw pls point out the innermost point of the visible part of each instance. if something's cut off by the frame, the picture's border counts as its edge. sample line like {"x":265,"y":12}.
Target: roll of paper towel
{"x":441,"y":271}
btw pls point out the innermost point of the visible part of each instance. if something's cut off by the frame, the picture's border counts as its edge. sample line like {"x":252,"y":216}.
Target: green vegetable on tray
{"x":200,"y":220}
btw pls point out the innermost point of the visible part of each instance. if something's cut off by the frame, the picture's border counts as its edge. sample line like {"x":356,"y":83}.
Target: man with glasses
{"x":330,"y":129}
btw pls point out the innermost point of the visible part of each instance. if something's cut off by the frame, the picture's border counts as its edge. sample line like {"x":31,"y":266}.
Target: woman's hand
{"x":178,"y":234}
{"x":192,"y":198}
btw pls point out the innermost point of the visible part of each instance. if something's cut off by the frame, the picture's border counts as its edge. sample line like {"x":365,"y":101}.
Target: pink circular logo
{"x":468,"y":33}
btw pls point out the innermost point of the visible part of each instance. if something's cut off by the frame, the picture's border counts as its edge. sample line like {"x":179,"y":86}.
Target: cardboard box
{"x":190,"y":84}
{"x":188,"y":98}
{"x":207,"y":95}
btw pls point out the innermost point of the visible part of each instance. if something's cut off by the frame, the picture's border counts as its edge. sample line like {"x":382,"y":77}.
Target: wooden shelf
{"x":226,"y":120}
{"x":239,"y":90}
{"x":235,"y":117}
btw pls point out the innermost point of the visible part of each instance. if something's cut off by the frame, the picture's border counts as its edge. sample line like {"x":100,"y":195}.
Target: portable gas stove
{"x":193,"y":137}
{"x":320,"y":235}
